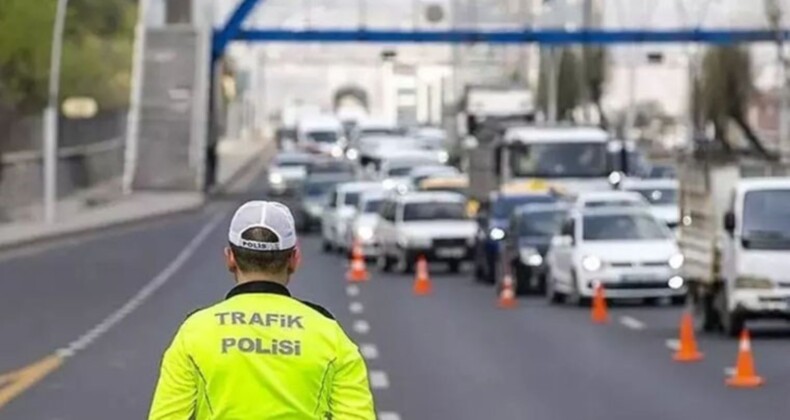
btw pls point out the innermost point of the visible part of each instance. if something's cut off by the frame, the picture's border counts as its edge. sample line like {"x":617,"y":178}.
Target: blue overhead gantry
{"x":233,"y":31}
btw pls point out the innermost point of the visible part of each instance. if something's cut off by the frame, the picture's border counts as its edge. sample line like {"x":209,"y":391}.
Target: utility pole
{"x":135,"y":98}
{"x":51,"y":116}
{"x":774,"y":13}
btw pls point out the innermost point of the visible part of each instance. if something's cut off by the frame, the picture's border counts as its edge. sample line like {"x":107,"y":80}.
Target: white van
{"x":321,"y":134}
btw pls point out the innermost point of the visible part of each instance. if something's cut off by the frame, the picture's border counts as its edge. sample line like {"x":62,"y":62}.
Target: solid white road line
{"x":673,"y":344}
{"x":369,"y":351}
{"x":632,"y":323}
{"x":379,"y":379}
{"x":143,"y":294}
{"x":388,"y":415}
{"x":361,"y":326}
{"x":352,"y":290}
{"x":355,"y":308}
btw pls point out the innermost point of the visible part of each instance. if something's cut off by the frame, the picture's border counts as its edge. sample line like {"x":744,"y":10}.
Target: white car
{"x":614,"y":198}
{"x":662,"y":196}
{"x":321,"y":134}
{"x":362,"y":226}
{"x":288,"y":171}
{"x":429,"y":224}
{"x":627,"y":250}
{"x":341,"y":206}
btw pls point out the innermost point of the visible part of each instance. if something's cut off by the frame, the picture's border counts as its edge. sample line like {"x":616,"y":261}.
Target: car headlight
{"x":365,"y":233}
{"x":275,"y":179}
{"x":444,"y":157}
{"x":530,"y":256}
{"x":591,"y":263}
{"x":336,"y":151}
{"x":676,"y":282}
{"x":352,"y":154}
{"x":751,"y":282}
{"x":496,"y":234}
{"x":676,"y":261}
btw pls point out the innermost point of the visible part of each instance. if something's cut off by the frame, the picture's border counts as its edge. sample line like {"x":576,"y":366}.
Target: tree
{"x":726,"y":89}
{"x":595,"y":75}
{"x":568,"y":82}
{"x":96,"y":53}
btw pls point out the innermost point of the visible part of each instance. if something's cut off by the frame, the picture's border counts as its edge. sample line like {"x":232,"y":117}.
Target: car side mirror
{"x":729,"y":222}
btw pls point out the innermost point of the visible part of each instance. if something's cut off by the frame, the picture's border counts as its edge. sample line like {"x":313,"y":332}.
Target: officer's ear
{"x":230,"y":260}
{"x":295,"y":261}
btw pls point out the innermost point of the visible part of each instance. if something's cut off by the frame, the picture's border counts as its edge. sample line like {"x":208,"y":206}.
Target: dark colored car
{"x":493,"y":224}
{"x":313,"y":196}
{"x":531,"y":228}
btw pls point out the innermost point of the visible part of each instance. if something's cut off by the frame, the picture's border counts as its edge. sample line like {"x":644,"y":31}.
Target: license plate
{"x":636,"y":278}
{"x":450,"y":252}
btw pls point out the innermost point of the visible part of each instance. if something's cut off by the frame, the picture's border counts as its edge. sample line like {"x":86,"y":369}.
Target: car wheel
{"x":384,"y":262}
{"x":454,"y":266}
{"x":732,"y":323}
{"x":523,"y":286}
{"x":404,"y":265}
{"x":576,"y":296}
{"x":652,"y":301}
{"x":554,"y":297}
{"x":678,"y":300}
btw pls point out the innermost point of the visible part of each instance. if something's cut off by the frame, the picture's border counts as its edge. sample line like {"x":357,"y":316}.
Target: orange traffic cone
{"x":599,"y":314}
{"x":357,"y":272}
{"x":688,"y":344}
{"x":507,"y":297}
{"x":422,"y":281}
{"x":745,"y":376}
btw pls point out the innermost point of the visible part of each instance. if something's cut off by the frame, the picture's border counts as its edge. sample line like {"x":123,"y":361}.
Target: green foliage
{"x":569,"y":88}
{"x":97,"y":51}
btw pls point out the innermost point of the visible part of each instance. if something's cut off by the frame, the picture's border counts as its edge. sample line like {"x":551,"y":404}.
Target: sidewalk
{"x":235,"y":158}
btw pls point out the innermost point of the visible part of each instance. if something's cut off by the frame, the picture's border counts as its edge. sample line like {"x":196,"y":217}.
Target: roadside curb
{"x":58,"y":233}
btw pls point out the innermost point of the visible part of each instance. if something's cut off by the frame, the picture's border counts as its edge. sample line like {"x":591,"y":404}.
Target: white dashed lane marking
{"x":729,"y":371}
{"x":632,"y":323}
{"x":352,"y":290}
{"x":379,"y":379}
{"x":143,"y":294}
{"x":361,"y":326}
{"x":369,"y":351}
{"x":673,"y":344}
{"x":388,"y":415}
{"x":356,"y":308}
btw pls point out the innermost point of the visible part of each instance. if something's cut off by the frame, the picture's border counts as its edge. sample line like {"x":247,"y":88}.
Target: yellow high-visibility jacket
{"x":261,"y":354}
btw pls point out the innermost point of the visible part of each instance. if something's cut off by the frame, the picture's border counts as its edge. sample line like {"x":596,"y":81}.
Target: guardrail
{"x":29,"y":156}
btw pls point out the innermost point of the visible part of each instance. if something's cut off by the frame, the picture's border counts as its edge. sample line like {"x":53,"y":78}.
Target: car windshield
{"x":372,"y":206}
{"x":559,"y":160}
{"x":662,"y":172}
{"x":622,"y":227}
{"x":400,"y":171}
{"x":319,"y":188}
{"x":434,"y":211}
{"x":659,"y":196}
{"x":351,"y":198}
{"x":379,"y":131}
{"x":322,"y":136}
{"x":766,"y":219}
{"x":291,"y":161}
{"x":504,"y":206}
{"x":611,"y":203}
{"x":541,"y":224}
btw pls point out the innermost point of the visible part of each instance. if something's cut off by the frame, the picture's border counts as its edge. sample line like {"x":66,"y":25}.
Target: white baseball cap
{"x":264,"y":214}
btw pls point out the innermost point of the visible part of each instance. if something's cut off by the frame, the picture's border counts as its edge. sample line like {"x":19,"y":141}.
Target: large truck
{"x":735,"y":236}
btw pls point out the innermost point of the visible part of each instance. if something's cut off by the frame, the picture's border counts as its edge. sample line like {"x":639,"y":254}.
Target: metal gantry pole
{"x":51,"y":116}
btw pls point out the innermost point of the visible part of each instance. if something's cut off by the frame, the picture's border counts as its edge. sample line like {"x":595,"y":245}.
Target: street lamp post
{"x":51,"y":116}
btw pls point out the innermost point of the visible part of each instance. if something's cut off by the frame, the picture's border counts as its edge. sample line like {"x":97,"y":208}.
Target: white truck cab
{"x":321,"y":134}
{"x":735,"y":234}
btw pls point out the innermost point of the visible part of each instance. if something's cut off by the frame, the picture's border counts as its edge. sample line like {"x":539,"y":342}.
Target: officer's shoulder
{"x":318,"y":308}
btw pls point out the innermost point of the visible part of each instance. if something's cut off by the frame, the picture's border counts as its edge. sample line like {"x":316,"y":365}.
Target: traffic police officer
{"x":260,"y":353}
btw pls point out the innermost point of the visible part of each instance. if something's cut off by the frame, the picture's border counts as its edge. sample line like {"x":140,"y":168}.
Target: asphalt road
{"x":451,"y":355}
